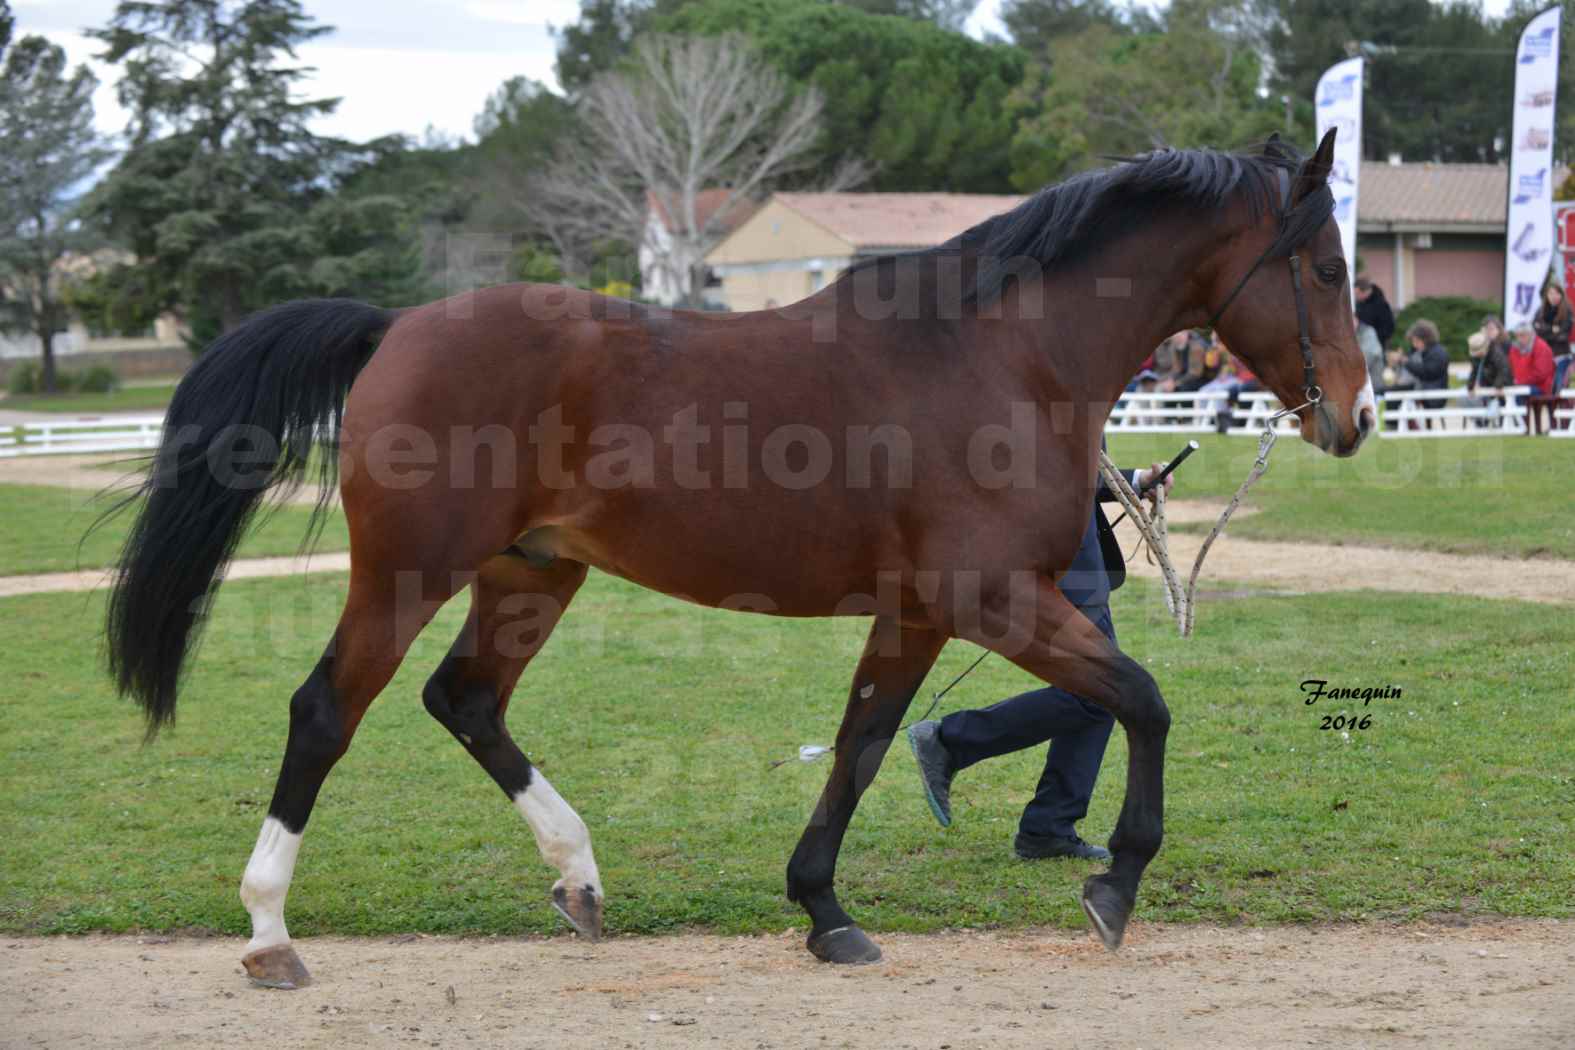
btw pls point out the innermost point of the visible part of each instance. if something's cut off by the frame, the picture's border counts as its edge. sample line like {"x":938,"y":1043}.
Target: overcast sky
{"x":398,"y":65}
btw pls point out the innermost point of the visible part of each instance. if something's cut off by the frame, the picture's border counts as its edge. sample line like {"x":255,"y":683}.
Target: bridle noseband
{"x":1311,"y":390}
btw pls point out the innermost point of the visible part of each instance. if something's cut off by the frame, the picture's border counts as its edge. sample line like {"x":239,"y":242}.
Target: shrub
{"x":100,"y":379}
{"x":1456,"y":316}
{"x":28,"y":378}
{"x":25,"y":378}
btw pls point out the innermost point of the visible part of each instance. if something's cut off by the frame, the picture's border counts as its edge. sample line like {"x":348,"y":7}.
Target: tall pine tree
{"x":48,"y":149}
{"x":225,"y":196}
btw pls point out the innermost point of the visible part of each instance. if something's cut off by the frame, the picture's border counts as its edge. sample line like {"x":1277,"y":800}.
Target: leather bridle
{"x":1311,"y":390}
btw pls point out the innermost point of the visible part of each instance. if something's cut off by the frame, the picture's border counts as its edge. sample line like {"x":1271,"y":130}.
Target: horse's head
{"x":1287,"y":303}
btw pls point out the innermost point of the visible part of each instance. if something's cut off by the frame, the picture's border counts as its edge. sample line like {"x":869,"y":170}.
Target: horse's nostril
{"x":1366,"y":420}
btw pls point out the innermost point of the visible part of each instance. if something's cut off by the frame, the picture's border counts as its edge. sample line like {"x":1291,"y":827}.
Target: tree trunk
{"x":231,"y":312}
{"x":46,"y":338}
{"x":694,"y":290}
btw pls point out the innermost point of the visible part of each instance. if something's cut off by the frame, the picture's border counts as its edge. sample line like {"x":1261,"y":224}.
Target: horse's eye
{"x":1329,"y":273}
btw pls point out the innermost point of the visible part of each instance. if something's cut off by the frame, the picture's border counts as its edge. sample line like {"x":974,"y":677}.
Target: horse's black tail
{"x":246,"y":417}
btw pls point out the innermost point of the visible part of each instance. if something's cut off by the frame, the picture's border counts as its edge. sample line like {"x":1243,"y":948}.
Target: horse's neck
{"x":1095,"y":322}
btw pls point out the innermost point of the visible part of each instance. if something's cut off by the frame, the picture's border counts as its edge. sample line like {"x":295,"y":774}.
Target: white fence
{"x":1402,"y":414}
{"x":1191,"y":413}
{"x":105,"y":434}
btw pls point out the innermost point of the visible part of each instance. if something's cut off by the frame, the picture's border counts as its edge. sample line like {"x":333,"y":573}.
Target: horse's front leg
{"x":895,"y":661}
{"x":1030,"y":622}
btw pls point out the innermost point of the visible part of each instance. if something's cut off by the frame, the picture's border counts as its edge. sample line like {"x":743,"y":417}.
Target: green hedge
{"x":28,"y":378}
{"x":1456,"y":316}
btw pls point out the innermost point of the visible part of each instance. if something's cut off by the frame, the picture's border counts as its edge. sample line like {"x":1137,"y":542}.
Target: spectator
{"x":1493,"y":328}
{"x":1532,"y":364}
{"x":1489,"y":350}
{"x":1373,"y":309}
{"x":1146,"y":382}
{"x":1489,"y":359}
{"x":1489,"y":367}
{"x":1233,"y":380}
{"x":1373,"y":350}
{"x":1427,"y":364}
{"x":1203,"y":368}
{"x":1162,"y":360}
{"x":1170,"y":360}
{"x":1553,"y":325}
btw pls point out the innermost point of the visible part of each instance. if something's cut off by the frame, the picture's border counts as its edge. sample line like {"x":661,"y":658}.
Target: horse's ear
{"x":1317,"y":169}
{"x":1274,"y":147}
{"x":1315,"y":173}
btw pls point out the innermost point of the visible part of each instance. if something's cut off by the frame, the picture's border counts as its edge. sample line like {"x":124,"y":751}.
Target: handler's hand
{"x":1153,"y":470}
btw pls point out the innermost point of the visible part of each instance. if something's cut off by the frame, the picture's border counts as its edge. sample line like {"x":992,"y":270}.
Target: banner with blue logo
{"x":1528,"y":235}
{"x":1338,"y":102}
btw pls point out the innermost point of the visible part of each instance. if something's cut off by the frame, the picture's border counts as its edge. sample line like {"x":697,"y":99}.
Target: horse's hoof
{"x":1107,"y":910}
{"x":582,"y":908}
{"x":276,"y":967}
{"x":846,"y":944}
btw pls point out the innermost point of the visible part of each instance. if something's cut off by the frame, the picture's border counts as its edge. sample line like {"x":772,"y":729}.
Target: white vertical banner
{"x":1528,"y":235}
{"x":1338,"y":101}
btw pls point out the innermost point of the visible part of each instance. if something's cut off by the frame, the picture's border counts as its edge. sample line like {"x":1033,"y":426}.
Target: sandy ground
{"x":90,"y":474}
{"x":1317,"y":567}
{"x":1505,"y":984}
{"x":244,"y":569}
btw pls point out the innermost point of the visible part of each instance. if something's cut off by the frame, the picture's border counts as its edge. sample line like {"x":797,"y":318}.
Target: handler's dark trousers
{"x":1078,"y":731}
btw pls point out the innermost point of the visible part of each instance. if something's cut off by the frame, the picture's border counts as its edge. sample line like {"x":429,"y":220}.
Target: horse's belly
{"x":760,"y":568}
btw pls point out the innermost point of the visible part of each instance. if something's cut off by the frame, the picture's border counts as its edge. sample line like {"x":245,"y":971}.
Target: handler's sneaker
{"x":935,"y":768}
{"x":1042,"y":847}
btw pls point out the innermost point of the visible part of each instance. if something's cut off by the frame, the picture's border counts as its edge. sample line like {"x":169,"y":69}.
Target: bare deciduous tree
{"x":691,"y":114}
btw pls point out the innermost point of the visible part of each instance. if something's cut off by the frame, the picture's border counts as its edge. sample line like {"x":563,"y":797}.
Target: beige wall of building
{"x":775,"y":258}
{"x":768,"y":289}
{"x":777,"y":232}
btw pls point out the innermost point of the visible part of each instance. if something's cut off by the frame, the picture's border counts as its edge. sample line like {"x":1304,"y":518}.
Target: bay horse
{"x":915,"y":443}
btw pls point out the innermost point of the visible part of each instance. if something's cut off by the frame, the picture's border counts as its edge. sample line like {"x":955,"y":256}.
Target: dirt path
{"x":90,"y":474}
{"x":1317,"y":567}
{"x":1500,"y":984}
{"x":244,"y":569}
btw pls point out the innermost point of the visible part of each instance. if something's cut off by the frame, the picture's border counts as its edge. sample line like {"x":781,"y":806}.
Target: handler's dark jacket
{"x":1099,"y":567}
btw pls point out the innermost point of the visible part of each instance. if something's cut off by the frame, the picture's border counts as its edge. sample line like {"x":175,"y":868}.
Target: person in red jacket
{"x":1531,"y":361}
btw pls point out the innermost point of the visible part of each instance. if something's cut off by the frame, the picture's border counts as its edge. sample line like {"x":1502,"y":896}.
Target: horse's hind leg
{"x":514,"y":607}
{"x":1036,"y":628}
{"x":374,"y":631}
{"x":895,"y":661}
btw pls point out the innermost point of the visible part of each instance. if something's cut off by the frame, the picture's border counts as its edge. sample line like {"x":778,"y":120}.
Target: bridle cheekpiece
{"x":1311,"y":390}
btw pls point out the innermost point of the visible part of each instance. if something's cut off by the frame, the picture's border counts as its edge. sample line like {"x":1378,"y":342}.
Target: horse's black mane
{"x":1066,"y":220}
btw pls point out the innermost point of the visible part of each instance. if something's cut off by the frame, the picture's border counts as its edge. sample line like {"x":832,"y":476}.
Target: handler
{"x":1078,"y":730}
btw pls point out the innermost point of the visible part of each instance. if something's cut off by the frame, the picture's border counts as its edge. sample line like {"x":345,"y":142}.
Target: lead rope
{"x":1179,"y":601}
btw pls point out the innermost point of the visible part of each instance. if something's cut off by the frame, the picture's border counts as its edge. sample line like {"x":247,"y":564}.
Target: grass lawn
{"x":658,"y":720}
{"x":126,"y":399}
{"x":1510,"y":497}
{"x":41,"y":528}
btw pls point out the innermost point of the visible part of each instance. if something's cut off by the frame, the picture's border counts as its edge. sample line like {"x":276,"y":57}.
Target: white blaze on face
{"x":561,"y":835}
{"x":267,"y":881}
{"x":1363,"y":400}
